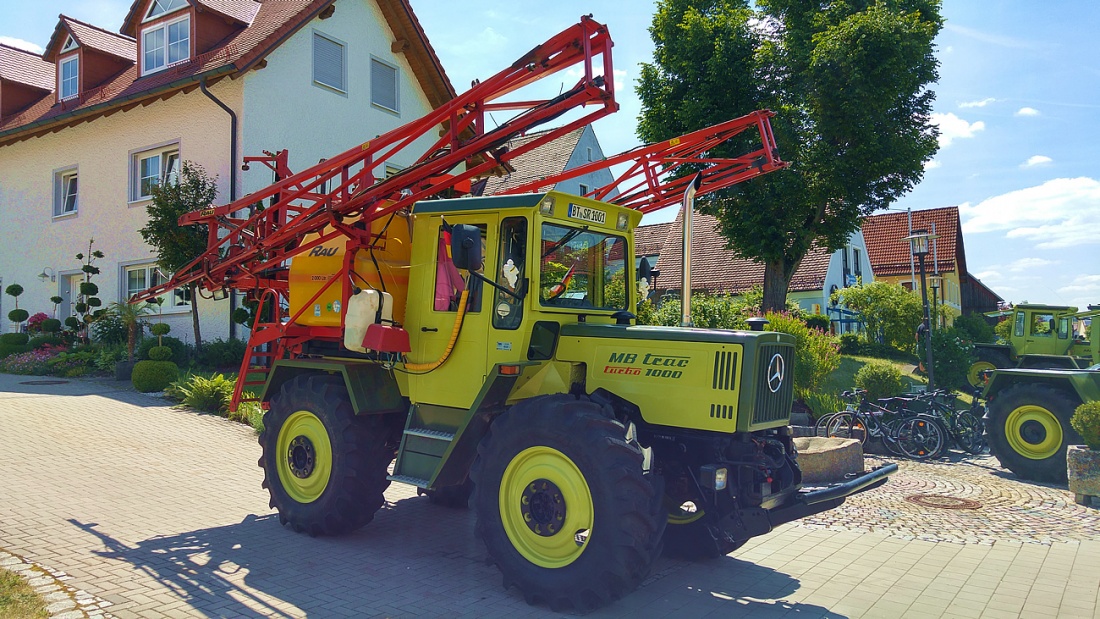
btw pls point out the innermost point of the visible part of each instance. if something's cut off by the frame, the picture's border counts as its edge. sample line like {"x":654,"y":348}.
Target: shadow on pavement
{"x":13,"y":385}
{"x":415,"y":559}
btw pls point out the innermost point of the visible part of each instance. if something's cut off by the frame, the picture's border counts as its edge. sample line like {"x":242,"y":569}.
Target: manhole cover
{"x":44,"y":382}
{"x":942,"y":502}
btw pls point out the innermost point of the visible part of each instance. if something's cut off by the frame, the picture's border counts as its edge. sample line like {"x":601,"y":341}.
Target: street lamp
{"x":918,"y":245}
{"x":43,"y":276}
{"x":935,"y":283}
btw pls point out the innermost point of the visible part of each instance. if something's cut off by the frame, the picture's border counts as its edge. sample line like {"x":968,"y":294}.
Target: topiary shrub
{"x":51,"y":325}
{"x":72,"y":322}
{"x":817,"y":321}
{"x":160,"y":330}
{"x":44,"y":340}
{"x":880,"y":379}
{"x":1086,"y":421}
{"x":152,"y":376}
{"x":18,"y":315}
{"x":14,"y":339}
{"x":160,"y":353}
{"x":6,"y":350}
{"x":181,"y":353}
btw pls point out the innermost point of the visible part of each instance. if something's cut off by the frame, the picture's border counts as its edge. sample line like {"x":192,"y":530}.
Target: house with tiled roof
{"x":717,"y":270}
{"x":91,"y":124}
{"x":570,"y":150}
{"x":891,"y":259}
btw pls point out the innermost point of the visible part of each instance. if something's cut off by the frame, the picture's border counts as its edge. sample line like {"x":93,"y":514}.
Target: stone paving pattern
{"x":159,"y":512}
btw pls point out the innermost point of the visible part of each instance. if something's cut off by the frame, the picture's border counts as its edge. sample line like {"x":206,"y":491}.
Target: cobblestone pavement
{"x":159,"y":513}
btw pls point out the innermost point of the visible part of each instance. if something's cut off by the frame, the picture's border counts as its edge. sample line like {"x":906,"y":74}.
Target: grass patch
{"x":18,"y":600}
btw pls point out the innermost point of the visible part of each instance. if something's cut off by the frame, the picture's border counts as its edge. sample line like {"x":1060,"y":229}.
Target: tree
{"x":177,"y":245}
{"x":890,"y":312}
{"x":849,"y":83}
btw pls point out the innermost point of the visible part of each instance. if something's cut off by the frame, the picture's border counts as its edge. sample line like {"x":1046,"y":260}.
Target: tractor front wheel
{"x":563,"y":504}
{"x":1028,"y":430}
{"x":987,"y":360}
{"x":324,"y":467}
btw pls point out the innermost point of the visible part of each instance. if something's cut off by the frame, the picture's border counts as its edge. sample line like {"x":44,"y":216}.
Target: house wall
{"x":285,"y":109}
{"x":32,"y":238}
{"x":587,"y":143}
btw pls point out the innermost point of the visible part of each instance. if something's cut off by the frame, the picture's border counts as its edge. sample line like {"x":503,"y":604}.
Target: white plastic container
{"x":363,"y":311}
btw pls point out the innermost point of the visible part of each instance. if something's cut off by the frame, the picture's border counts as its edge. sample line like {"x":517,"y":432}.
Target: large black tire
{"x":988,"y":359}
{"x":563,"y":504}
{"x":455,"y":497}
{"x":1028,"y":430}
{"x":324,"y":467}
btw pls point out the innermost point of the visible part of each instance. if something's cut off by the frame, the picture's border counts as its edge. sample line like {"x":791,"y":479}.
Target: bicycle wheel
{"x":822,"y":423}
{"x":968,"y":432}
{"x":846,"y":425}
{"x":921,"y":438}
{"x":890,"y":436}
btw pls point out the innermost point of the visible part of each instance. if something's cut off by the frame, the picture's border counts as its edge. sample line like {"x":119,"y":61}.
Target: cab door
{"x":509,"y":267}
{"x":458,"y":380}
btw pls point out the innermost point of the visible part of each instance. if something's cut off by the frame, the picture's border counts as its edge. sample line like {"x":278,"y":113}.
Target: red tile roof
{"x":716,"y":269}
{"x":275,"y":21}
{"x":27,"y":68}
{"x":546,"y":160}
{"x":90,"y":37}
{"x":889,"y":253}
{"x":242,"y":11}
{"x":648,"y":240}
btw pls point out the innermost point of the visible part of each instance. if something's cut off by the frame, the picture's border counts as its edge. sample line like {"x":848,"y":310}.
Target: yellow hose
{"x":428,"y":367}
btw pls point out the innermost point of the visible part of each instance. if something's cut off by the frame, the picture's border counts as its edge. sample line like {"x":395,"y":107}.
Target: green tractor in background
{"x":1042,"y":336}
{"x":1027,"y":418}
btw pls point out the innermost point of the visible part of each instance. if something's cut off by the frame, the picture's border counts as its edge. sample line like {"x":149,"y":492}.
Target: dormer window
{"x":69,"y":78}
{"x":70,"y":45}
{"x":165,"y":45}
{"x":163,"y":7}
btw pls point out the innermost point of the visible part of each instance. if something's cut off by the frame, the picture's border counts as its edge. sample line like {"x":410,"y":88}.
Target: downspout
{"x":232,"y":182}
{"x":685,"y":281}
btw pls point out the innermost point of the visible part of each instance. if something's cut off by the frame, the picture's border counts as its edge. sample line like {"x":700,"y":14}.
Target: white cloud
{"x":1027,"y":264}
{"x":1057,"y":214}
{"x":982,"y":103}
{"x":990,"y":276}
{"x":1036,"y":160}
{"x":1027,"y":111}
{"x":954,"y":128}
{"x":1082,"y":290}
{"x":932,"y":164}
{"x":21,"y":44}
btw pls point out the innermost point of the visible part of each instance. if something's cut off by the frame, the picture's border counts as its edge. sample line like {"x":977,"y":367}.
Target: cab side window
{"x":449,"y":283}
{"x":508,"y":310}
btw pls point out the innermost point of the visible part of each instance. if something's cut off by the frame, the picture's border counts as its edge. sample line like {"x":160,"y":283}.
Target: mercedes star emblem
{"x":776,"y":369}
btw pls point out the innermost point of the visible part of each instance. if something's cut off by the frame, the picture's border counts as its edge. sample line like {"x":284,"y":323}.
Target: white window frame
{"x":396,"y":86}
{"x":343,"y":87}
{"x":163,"y":27}
{"x":61,"y":80}
{"x":150,"y":16}
{"x":61,"y":178}
{"x":169,"y":151}
{"x":70,"y":45}
{"x":149,"y":271}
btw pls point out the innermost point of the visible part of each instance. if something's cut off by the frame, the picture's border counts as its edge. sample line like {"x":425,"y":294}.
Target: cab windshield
{"x":582,"y":268}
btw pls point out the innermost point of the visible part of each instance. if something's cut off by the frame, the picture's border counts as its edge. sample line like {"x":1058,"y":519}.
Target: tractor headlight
{"x":546,"y":207}
{"x":621,"y":223}
{"x":713,"y":477}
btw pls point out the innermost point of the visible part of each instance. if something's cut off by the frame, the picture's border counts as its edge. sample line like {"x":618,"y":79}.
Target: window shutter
{"x":328,"y":62}
{"x":383,"y":85}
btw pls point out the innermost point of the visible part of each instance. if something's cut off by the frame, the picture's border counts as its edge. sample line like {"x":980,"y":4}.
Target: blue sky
{"x":1018,"y":105}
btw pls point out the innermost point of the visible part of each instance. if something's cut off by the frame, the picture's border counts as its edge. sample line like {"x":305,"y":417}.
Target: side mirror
{"x":466,"y":247}
{"x":645,"y":271}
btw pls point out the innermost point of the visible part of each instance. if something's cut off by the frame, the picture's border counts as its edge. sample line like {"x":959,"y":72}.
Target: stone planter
{"x":828,"y":460}
{"x":1083,"y":467}
{"x":124,"y":369}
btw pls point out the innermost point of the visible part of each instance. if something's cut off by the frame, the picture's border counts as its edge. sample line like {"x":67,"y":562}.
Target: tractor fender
{"x":372,"y":389}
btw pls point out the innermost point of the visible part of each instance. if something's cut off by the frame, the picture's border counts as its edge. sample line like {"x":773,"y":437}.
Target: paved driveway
{"x":148,"y":511}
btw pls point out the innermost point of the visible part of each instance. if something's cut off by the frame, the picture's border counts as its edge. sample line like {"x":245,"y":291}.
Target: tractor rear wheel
{"x":324,"y":467}
{"x":457,"y":496}
{"x":563,"y":504}
{"x":1029,"y":432}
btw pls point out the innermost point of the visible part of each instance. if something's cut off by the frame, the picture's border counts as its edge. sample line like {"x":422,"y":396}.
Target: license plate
{"x":587,"y":213}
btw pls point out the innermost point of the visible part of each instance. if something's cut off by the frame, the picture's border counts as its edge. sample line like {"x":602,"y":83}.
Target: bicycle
{"x":965,"y":427}
{"x":903,"y":432}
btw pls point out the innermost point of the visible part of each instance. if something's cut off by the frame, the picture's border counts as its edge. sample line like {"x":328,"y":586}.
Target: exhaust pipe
{"x":685,"y":281}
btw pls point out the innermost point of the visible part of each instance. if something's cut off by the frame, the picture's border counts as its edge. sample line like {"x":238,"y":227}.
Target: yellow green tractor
{"x":1041,"y":336}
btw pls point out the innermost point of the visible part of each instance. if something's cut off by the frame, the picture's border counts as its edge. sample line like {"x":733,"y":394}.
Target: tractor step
{"x":426,"y":433}
{"x":412,"y":481}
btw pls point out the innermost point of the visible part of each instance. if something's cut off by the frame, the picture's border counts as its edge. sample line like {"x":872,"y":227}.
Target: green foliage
{"x":817,"y":321}
{"x":86,"y":300}
{"x":14,"y":339}
{"x":51,"y":325}
{"x":849,"y":82}
{"x":181,"y":353}
{"x":975,"y":328}
{"x":14,"y":290}
{"x":222,"y":354}
{"x":1003,"y":330}
{"x":6,"y":350}
{"x":951,"y":358}
{"x":109,"y":329}
{"x":816,"y":354}
{"x":881,"y":379}
{"x":88,"y":289}
{"x":108,"y":356}
{"x":72,"y":364}
{"x":1086,"y":421}
{"x":18,"y":599}
{"x":57,"y":300}
{"x":823,"y":403}
{"x":151,"y":376}
{"x":707,"y":312}
{"x":18,"y":315}
{"x":209,"y":395}
{"x":891,"y":313}
{"x":160,"y":329}
{"x":45,"y":340}
{"x":160,"y":353}
{"x":72,"y":322}
{"x":850,"y":343}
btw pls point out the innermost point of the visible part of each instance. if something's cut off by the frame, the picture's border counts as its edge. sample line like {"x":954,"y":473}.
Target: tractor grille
{"x":725,"y":371}
{"x":773,"y":405}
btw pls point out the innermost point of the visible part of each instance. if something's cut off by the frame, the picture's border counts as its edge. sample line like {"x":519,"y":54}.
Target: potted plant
{"x":1083,"y":461}
{"x":157,"y":372}
{"x":130,"y":316}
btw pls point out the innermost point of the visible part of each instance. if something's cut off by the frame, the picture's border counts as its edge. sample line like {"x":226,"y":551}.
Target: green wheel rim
{"x":1033,"y":432}
{"x":974,"y":375}
{"x":304,"y":457}
{"x":555,"y":545}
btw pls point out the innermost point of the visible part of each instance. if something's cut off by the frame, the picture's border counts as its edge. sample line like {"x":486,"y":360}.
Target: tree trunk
{"x":193,"y":289}
{"x":777,"y":276}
